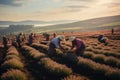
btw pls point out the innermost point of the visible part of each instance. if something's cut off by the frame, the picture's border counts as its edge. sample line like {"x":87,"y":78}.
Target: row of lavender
{"x":86,"y":66}
{"x":12,"y":67}
{"x":51,"y":67}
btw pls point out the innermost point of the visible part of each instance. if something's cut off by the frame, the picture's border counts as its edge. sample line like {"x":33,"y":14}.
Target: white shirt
{"x":55,"y":41}
{"x":104,"y":38}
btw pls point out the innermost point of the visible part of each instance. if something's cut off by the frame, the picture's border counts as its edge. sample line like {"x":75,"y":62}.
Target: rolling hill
{"x":85,"y":25}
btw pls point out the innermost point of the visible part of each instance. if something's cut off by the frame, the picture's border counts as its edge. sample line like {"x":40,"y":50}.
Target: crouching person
{"x":103,"y":39}
{"x":5,"y":41}
{"x":56,"y":44}
{"x":79,"y":44}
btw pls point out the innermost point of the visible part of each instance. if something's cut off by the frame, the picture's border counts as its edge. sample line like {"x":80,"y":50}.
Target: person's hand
{"x":63,"y":50}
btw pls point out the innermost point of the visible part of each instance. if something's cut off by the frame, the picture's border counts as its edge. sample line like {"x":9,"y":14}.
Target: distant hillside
{"x":91,"y":24}
{"x":31,"y":22}
{"x":15,"y":29}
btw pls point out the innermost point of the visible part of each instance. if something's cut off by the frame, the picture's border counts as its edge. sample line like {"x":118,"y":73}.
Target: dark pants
{"x":30,"y":42}
{"x":5,"y":45}
{"x":47,"y":38}
{"x":103,"y":41}
{"x":51,"y":50}
{"x":19,"y":44}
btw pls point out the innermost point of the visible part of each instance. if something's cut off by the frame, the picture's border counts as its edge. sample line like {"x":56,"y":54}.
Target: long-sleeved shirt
{"x":56,"y":42}
{"x":77,"y":42}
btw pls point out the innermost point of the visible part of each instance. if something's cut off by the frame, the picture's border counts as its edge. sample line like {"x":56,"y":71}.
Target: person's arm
{"x":61,"y":46}
{"x":79,"y":44}
{"x":73,"y":45}
{"x":56,"y":43}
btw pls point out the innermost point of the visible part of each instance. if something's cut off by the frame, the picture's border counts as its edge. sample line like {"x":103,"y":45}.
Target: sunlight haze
{"x":54,"y":10}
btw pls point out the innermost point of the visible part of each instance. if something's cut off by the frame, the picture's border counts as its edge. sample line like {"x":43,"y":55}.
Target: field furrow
{"x":73,"y":62}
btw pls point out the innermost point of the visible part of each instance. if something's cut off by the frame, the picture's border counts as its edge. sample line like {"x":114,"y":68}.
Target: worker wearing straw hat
{"x":55,"y":43}
{"x":79,"y":44}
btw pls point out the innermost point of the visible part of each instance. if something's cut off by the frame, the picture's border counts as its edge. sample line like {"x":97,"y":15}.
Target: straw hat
{"x":71,"y":38}
{"x":105,"y":38}
{"x":61,"y":37}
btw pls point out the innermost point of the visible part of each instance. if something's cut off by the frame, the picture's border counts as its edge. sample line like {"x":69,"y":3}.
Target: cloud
{"x":76,"y":6}
{"x":115,"y":4}
{"x":82,"y":0}
{"x":13,"y":2}
{"x":56,"y":0}
{"x":73,"y":10}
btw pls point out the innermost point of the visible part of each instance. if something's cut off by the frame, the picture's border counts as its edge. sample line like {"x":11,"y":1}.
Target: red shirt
{"x":77,"y":42}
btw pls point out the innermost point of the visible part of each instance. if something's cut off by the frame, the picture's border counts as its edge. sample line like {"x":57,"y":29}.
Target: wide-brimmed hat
{"x":72,"y":38}
{"x":104,"y":38}
{"x":61,"y":37}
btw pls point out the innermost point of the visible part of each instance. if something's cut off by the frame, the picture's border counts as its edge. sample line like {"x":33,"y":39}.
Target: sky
{"x":56,"y":10}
